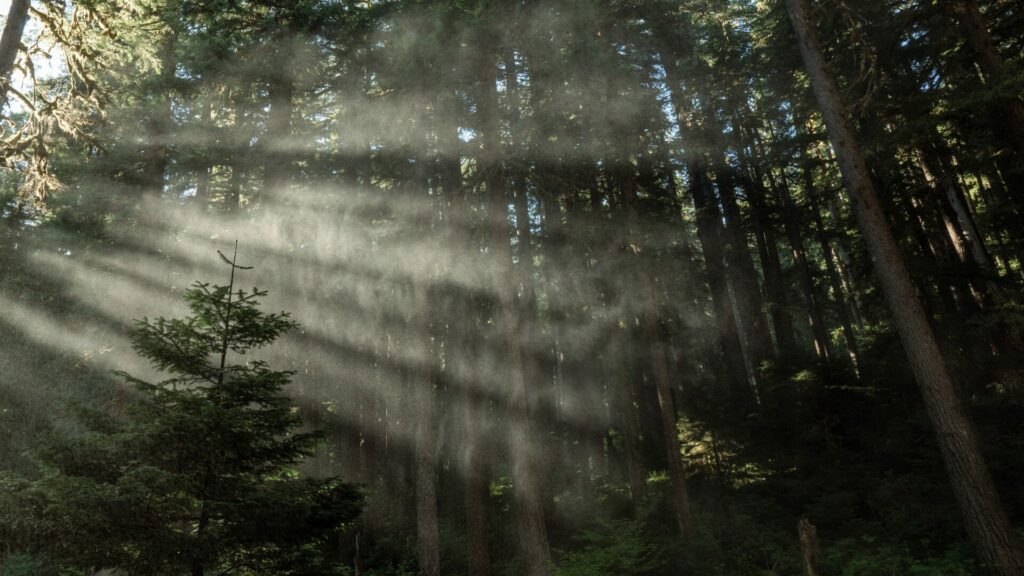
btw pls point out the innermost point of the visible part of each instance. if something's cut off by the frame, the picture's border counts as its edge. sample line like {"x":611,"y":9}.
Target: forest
{"x":512,"y":287}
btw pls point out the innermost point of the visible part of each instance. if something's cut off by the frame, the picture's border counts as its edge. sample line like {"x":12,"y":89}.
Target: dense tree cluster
{"x":586,"y":287}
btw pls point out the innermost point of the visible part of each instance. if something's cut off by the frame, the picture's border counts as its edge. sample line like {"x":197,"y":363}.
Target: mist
{"x":580,"y":287}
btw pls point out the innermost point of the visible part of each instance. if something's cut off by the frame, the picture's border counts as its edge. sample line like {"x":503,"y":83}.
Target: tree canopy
{"x":585,"y":287}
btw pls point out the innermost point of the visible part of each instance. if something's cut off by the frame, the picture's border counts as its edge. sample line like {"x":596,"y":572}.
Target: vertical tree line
{"x":569,"y":271}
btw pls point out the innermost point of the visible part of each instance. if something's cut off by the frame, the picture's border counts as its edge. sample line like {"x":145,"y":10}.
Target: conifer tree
{"x":198,"y":476}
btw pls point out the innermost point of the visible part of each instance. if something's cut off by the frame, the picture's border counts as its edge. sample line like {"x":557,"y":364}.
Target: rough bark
{"x":983,"y":513}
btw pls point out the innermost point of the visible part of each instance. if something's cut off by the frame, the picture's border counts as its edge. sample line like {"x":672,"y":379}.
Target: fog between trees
{"x":625,"y":287}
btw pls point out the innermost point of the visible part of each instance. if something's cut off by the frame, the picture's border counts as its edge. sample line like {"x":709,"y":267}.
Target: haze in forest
{"x":630,"y":287}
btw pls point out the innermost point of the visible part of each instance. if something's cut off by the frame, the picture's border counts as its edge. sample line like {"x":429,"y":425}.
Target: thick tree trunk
{"x":10,"y":43}
{"x":524,"y":442}
{"x":669,"y":421}
{"x":738,"y":370}
{"x":630,"y":426}
{"x":659,"y":362}
{"x":983,"y":513}
{"x":478,"y":485}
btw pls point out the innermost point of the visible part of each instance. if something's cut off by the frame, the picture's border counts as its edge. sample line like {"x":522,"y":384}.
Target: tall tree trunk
{"x":233,"y":198}
{"x":733,"y":368}
{"x":158,"y":126}
{"x":834,"y":278}
{"x":10,"y":44}
{"x":203,"y":172}
{"x":524,"y":442}
{"x":959,"y":222}
{"x":660,"y":366}
{"x":630,"y":426}
{"x":775,"y":288}
{"x":426,"y":382}
{"x":984,"y":516}
{"x":540,"y":363}
{"x":753,"y":322}
{"x":791,"y":223}
{"x":277,"y":168}
{"x":428,"y":539}
{"x":771,"y":266}
{"x":709,"y":231}
{"x":844,"y":263}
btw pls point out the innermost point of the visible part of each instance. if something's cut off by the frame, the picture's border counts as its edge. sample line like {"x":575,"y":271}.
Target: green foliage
{"x":25,"y":565}
{"x":621,"y":547}
{"x":867,"y":556}
{"x":199,"y":473}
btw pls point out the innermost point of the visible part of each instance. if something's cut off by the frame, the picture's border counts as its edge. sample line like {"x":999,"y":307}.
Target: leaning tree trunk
{"x":985,"y":519}
{"x":10,"y":43}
